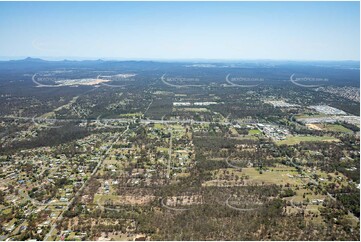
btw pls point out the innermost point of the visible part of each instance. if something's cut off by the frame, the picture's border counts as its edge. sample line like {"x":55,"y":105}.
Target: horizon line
{"x":74,"y":58}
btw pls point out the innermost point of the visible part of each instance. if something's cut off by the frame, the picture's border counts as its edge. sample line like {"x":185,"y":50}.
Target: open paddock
{"x":293,"y":140}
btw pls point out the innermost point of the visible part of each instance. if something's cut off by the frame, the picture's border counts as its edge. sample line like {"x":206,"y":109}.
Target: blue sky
{"x":181,"y":30}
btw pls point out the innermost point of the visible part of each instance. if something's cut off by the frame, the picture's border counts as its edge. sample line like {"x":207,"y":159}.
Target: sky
{"x":181,"y":30}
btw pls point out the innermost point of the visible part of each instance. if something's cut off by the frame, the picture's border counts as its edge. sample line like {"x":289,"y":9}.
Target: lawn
{"x":233,"y":131}
{"x":163,"y":93}
{"x":177,"y":127}
{"x":334,"y":128}
{"x":159,"y":126}
{"x":311,"y":116}
{"x":277,"y":176}
{"x":162,"y":149}
{"x":6,"y":211}
{"x":104,"y":197}
{"x":254,"y":132}
{"x":246,"y":137}
{"x":274,"y":175}
{"x":197,"y":110}
{"x":131,"y":115}
{"x":292,"y":140}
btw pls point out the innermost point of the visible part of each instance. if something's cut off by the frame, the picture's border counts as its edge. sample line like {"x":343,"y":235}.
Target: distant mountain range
{"x":31,"y":59}
{"x":37,"y":63}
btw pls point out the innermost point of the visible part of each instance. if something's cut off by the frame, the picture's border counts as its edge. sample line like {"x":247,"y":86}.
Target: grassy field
{"x":67,"y":106}
{"x":310,"y":197}
{"x":233,"y":131}
{"x":53,"y":235}
{"x":254,"y":132}
{"x":292,"y":140}
{"x":104,"y":197}
{"x":159,"y":126}
{"x":310,"y":116}
{"x":6,"y":211}
{"x":197,"y":110}
{"x":163,"y":93}
{"x":162,"y":149}
{"x":274,"y":175}
{"x":129,"y":115}
{"x":177,"y":127}
{"x":334,"y":128}
{"x":246,"y":137}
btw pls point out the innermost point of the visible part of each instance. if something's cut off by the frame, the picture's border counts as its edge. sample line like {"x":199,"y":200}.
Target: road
{"x":148,"y":107}
{"x":60,"y":217}
{"x":120,"y":120}
{"x":170,"y":153}
{"x":43,"y":125}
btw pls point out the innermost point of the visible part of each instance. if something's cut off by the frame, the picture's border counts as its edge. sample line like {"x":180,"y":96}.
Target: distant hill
{"x":341,"y":73}
{"x":36,"y":64}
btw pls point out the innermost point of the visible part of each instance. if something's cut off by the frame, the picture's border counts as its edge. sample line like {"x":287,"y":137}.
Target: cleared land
{"x":292,"y":140}
{"x":330,"y":127}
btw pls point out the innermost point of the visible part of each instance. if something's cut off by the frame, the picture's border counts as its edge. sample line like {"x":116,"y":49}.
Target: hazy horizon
{"x":76,"y":58}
